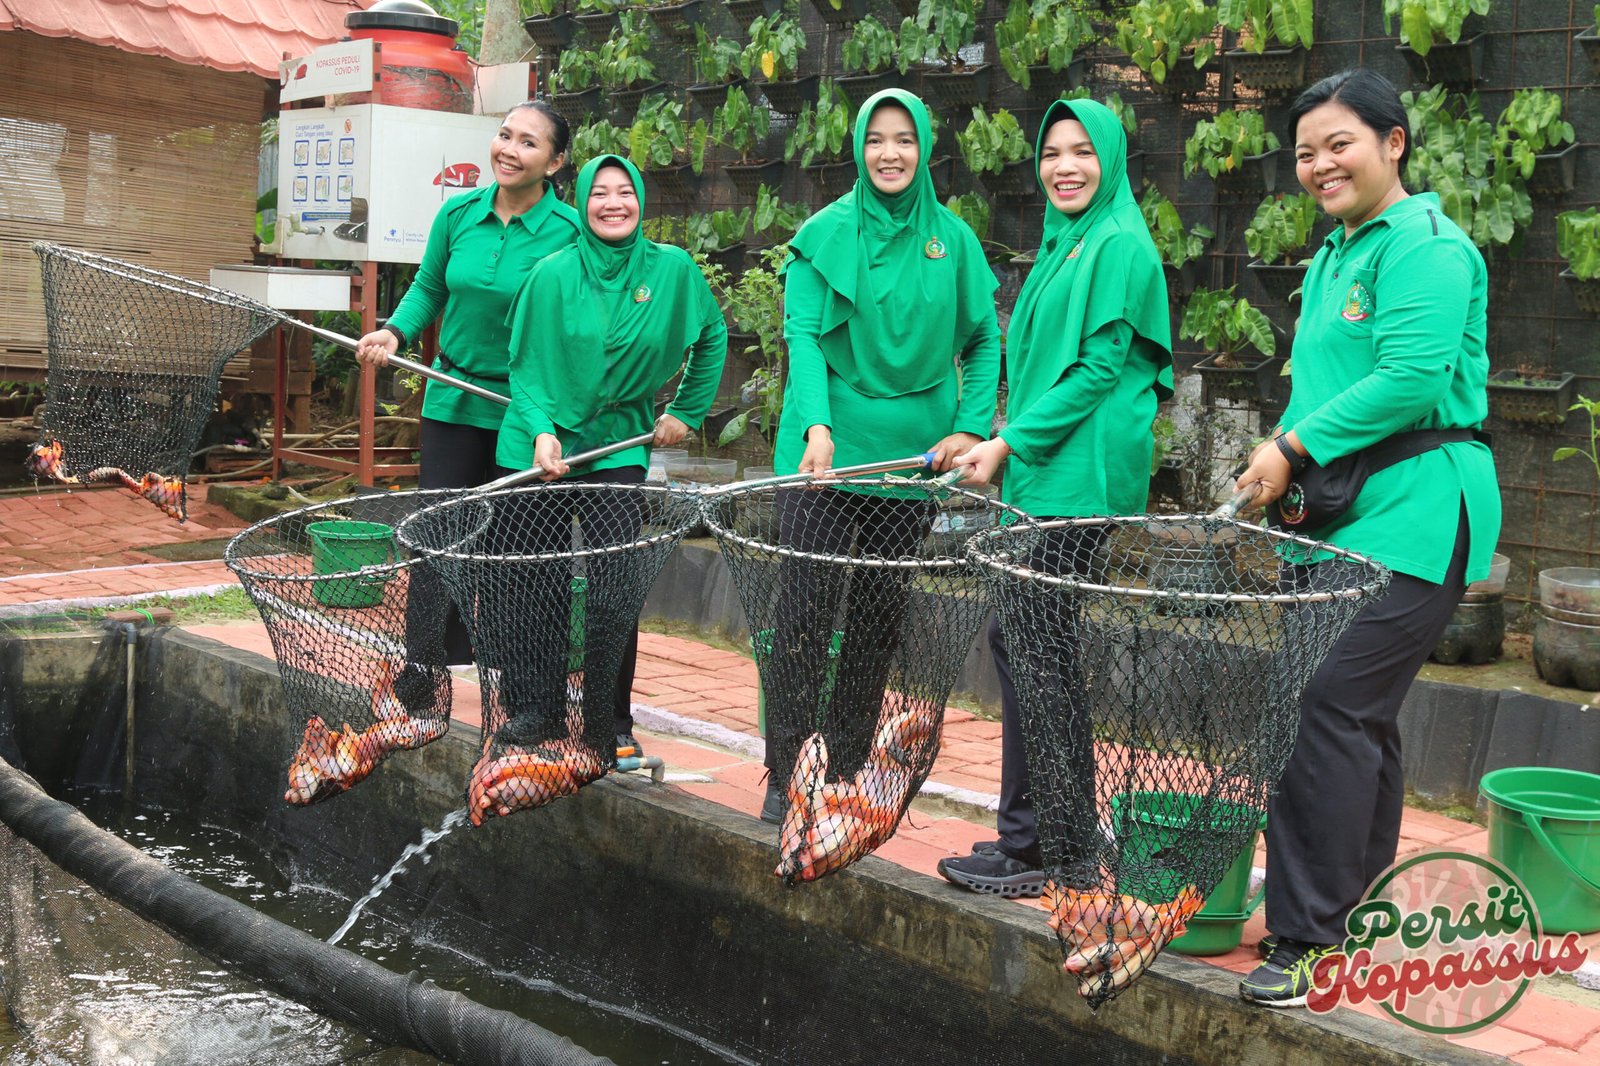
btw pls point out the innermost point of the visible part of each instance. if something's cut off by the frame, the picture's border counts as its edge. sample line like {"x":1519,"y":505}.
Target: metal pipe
{"x":404,"y":364}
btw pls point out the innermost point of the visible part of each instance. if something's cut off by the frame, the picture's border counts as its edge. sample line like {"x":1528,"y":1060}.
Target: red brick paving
{"x":90,"y":546}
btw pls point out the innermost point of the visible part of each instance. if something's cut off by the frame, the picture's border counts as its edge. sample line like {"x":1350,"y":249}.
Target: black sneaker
{"x":773,"y":803}
{"x":996,"y":872}
{"x":1284,"y":980}
{"x":625,"y":740}
{"x":1265,"y":945}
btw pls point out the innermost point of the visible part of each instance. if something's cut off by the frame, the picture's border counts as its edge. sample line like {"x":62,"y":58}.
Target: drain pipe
{"x":128,"y":622}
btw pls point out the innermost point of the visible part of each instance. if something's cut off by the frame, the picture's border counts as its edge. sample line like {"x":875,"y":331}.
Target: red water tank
{"x":419,"y":64}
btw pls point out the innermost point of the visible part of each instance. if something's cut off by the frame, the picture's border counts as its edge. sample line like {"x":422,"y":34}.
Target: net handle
{"x":408,"y":365}
{"x":589,"y":456}
{"x":1238,"y":502}
{"x":834,"y":473}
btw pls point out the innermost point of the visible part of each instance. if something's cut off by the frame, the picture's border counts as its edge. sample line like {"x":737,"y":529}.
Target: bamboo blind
{"x":128,"y":155}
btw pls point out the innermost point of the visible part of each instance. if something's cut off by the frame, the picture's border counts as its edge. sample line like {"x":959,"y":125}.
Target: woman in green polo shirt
{"x":480,"y":248}
{"x":1391,"y":339}
{"x":596,"y":330}
{"x":1088,"y":357}
{"x":893,"y":350}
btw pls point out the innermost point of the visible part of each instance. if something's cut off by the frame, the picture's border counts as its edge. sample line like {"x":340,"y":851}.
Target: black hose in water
{"x":400,"y":1011}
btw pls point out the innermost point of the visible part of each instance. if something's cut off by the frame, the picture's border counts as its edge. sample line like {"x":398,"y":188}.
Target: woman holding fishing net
{"x":893,"y":349}
{"x":1389,"y":366}
{"x":480,"y":248}
{"x":1087,"y":360}
{"x":596,"y":331}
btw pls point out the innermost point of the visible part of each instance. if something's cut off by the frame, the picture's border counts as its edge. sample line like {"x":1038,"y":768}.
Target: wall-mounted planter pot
{"x":745,"y":12}
{"x":1180,"y":280}
{"x":730,"y":258}
{"x":1275,"y":70}
{"x":749,"y":177}
{"x":1530,"y":401}
{"x":597,"y":25}
{"x":1585,"y":291}
{"x":1183,"y":77}
{"x":1136,"y":171}
{"x":943,"y":171}
{"x":553,"y":33}
{"x":1024,"y":263}
{"x":676,"y":20}
{"x":1050,"y":84}
{"x":1248,"y":378}
{"x":1554,"y":174}
{"x":1279,"y":280}
{"x":1590,"y":40}
{"x":1458,"y":65}
{"x":908,"y":8}
{"x":841,"y":12}
{"x":788,"y":97}
{"x":1014,"y":183}
{"x":833,"y":178}
{"x":958,"y":90}
{"x":857,"y":87}
{"x":672,"y":183}
{"x":577,"y":107}
{"x":625,"y":102}
{"x":1257,"y":173}
{"x":707,"y":98}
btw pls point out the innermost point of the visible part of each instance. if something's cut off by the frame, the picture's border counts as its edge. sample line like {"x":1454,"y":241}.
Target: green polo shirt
{"x":1392,"y":335}
{"x":471,"y":269}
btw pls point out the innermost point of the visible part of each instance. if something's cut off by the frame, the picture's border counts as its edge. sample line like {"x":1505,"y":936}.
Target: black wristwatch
{"x":1297,"y":462}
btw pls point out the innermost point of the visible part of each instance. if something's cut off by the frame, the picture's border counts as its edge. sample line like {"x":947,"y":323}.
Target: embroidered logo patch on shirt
{"x":641,"y":294}
{"x":1357,"y":303}
{"x":934,"y":249}
{"x":1077,"y":250}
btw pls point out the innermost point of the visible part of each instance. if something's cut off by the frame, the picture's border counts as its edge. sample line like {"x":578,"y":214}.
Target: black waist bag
{"x":1320,"y":495}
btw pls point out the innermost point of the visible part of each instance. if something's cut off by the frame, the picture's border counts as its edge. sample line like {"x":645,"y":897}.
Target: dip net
{"x":1159,"y":663}
{"x":550,"y":579}
{"x":358,"y":626}
{"x":861,"y":610}
{"x":135,"y":356}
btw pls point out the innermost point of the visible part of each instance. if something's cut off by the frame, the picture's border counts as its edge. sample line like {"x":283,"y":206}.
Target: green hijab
{"x":1093,"y":268}
{"x":602,"y":325}
{"x":906,"y":279}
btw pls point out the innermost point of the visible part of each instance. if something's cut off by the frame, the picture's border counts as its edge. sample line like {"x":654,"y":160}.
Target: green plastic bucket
{"x":343,"y":547}
{"x":1544,"y":826}
{"x":761,"y":647}
{"x":1151,"y":822}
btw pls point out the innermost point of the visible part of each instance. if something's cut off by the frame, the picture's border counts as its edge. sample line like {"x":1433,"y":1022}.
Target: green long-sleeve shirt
{"x":471,"y":269}
{"x":1392,"y":338}
{"x":868,"y":428}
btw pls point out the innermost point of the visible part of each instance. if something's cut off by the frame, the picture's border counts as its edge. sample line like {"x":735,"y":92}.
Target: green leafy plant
{"x":755,"y":303}
{"x":1040,"y":33}
{"x":739,"y":125}
{"x":1578,"y":241}
{"x":1113,"y":102}
{"x":702,"y":234}
{"x":870,"y":48}
{"x":938,"y":32}
{"x":1224,"y":324}
{"x":576,"y":70}
{"x":1165,"y":431}
{"x":972,"y":209}
{"x":1592,"y":452}
{"x":774,"y":219}
{"x":596,"y":138}
{"x":1174,"y":244}
{"x":1155,"y":33}
{"x":1282,"y":225}
{"x":542,"y":8}
{"x":821,"y":131}
{"x":988,"y":142}
{"x":1221,"y":145}
{"x":1423,"y":23}
{"x":716,"y":59}
{"x":659,"y":137}
{"x":1288,"y":22}
{"x":621,"y":61}
{"x":1530,"y":124}
{"x":774,"y":48}
{"x":1459,"y":155}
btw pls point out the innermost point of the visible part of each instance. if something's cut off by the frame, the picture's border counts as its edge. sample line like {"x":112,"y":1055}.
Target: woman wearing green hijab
{"x":1088,"y":357}
{"x":596,"y":330}
{"x":893,"y":350}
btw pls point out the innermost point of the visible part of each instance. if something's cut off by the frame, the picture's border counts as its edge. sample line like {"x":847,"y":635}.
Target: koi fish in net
{"x":328,"y":762}
{"x":518,"y":780}
{"x":1111,"y":939}
{"x":44,"y":462}
{"x":829,"y":826}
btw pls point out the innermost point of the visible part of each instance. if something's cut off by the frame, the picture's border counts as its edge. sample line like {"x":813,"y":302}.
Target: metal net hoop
{"x":357,"y":623}
{"x":862,"y":609}
{"x":1158,"y":663}
{"x":550,"y":578}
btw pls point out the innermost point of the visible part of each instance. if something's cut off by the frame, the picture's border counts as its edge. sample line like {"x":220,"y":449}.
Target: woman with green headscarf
{"x":596,"y":330}
{"x":1088,"y":357}
{"x":893,"y":349}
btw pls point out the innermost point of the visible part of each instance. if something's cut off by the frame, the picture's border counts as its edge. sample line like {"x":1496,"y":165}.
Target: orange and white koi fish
{"x":165,"y":492}
{"x":520,"y":780}
{"x":1115,"y":935}
{"x":44,"y":461}
{"x":328,"y":763}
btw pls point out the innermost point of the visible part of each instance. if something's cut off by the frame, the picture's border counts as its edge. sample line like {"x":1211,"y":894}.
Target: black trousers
{"x":1056,"y":674}
{"x":874,"y":600}
{"x":1334,"y":824}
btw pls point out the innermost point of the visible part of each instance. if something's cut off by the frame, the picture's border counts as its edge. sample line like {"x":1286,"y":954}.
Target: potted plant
{"x":742,"y":127}
{"x":1531,"y":395}
{"x":598,"y":17}
{"x":840,"y":12}
{"x":1430,"y":39}
{"x":1281,"y":227}
{"x":934,"y":37}
{"x":746,"y":11}
{"x":1531,"y":132}
{"x":594,"y":138}
{"x":996,"y":150}
{"x":1454,"y":155}
{"x":1240,"y":339}
{"x":1038,"y":44}
{"x":755,"y":303}
{"x":1566,"y":635}
{"x":669,"y":151}
{"x":1179,"y":249}
{"x":821,"y":140}
{"x":626,"y":73}
{"x":719,"y":236}
{"x":551,"y":25}
{"x":1578,"y":242}
{"x":715,"y":67}
{"x":1170,"y":40}
{"x":1288,"y":23}
{"x":1590,"y":40}
{"x":1236,"y":149}
{"x":575,"y":85}
{"x":869,"y":58}
{"x":676,"y":19}
{"x":774,"y":221}
{"x":774,"y":52}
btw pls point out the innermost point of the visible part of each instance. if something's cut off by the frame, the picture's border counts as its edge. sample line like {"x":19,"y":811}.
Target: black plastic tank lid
{"x":402,"y":15}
